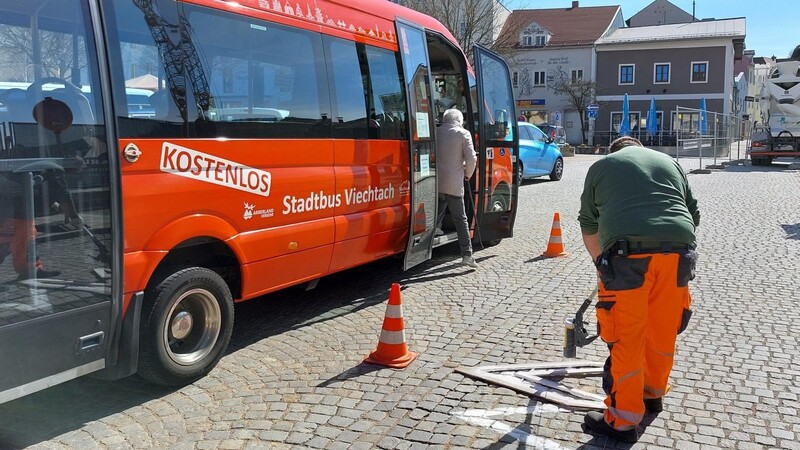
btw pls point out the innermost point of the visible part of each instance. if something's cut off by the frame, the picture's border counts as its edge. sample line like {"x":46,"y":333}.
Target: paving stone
{"x":294,"y":377}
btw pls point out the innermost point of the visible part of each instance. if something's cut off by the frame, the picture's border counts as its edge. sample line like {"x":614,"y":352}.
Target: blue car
{"x":538,"y":154}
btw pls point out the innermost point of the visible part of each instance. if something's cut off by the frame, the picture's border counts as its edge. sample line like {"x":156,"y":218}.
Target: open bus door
{"x":57,"y":293}
{"x":424,"y":196}
{"x":498,"y":147}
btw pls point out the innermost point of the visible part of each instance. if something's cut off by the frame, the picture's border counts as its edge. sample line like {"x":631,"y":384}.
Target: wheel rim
{"x":559,"y":168}
{"x":498,"y":204}
{"x":192,"y":327}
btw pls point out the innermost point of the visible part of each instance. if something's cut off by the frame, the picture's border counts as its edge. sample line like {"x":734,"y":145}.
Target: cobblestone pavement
{"x":293,"y":377}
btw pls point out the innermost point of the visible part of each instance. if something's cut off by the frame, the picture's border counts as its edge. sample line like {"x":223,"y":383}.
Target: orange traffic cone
{"x":555,"y":247}
{"x":392,"y":350}
{"x":420,"y":219}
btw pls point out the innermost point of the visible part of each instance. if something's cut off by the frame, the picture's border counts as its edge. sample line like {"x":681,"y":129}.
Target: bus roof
{"x":336,"y":15}
{"x":389,"y":11}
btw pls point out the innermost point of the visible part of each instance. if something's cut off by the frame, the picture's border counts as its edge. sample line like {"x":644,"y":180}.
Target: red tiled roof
{"x":570,"y":26}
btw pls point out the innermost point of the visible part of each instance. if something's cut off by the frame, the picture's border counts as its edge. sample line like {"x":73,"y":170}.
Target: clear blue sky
{"x":772,"y":25}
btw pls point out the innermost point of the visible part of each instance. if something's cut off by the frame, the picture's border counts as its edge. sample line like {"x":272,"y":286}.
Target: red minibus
{"x":280,"y":142}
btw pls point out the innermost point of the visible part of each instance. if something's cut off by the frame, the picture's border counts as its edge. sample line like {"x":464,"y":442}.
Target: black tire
{"x":520,"y":171}
{"x":500,"y":201}
{"x":170,"y":354}
{"x":558,"y":170}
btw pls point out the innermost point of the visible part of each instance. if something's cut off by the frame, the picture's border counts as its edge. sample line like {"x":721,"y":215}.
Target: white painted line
{"x":484,"y":418}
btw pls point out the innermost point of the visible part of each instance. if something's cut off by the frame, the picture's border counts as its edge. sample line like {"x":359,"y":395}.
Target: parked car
{"x":557,"y":133}
{"x":538,"y":154}
{"x":759,"y":143}
{"x":139,"y":104}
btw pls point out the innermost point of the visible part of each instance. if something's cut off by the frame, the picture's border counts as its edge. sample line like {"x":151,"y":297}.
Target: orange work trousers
{"x":15,"y":235}
{"x":640,"y":311}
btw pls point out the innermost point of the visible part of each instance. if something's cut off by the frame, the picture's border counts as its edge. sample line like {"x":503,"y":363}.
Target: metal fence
{"x":724,"y":137}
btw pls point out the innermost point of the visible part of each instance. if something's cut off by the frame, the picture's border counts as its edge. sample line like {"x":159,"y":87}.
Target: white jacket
{"x":455,"y":158}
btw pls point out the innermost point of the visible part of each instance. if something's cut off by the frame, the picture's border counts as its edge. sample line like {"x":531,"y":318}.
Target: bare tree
{"x":579,"y":93}
{"x":470,"y":21}
{"x":57,"y":56}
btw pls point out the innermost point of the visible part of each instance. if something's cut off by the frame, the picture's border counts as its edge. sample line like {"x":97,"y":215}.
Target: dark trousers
{"x":456,"y":205}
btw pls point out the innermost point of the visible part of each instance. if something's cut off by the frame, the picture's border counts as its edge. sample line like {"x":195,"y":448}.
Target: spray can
{"x":569,"y":339}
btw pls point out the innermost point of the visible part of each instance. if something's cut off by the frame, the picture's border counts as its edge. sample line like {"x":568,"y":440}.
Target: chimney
{"x":575,"y":3}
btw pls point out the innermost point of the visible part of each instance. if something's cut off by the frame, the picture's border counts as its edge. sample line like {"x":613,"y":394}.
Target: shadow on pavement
{"x":537,"y":259}
{"x":746,"y":167}
{"x":792,"y":231}
{"x":607,"y":442}
{"x":41,"y":416}
{"x":353,"y":372}
{"x":531,"y":181}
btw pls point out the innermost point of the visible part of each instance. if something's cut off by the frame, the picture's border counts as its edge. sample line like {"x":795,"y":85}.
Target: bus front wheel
{"x":186,"y":326}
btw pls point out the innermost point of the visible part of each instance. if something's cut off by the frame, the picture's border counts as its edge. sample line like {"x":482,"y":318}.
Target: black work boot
{"x":596,"y":422}
{"x":653,"y":405}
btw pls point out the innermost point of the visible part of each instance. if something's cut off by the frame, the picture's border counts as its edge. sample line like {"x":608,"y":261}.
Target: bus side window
{"x":386,"y":97}
{"x":263,"y":80}
{"x":347,"y":90}
{"x":267,"y":80}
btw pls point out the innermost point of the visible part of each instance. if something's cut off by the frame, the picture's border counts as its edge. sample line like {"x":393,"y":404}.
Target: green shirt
{"x":638,"y":194}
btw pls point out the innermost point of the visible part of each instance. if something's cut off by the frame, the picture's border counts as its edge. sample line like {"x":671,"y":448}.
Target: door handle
{"x":90,"y":341}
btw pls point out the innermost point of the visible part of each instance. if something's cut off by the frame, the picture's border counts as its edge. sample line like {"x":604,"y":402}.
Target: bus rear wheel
{"x":186,"y":326}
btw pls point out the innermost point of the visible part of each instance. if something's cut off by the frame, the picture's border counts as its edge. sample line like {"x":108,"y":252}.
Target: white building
{"x":543,"y":45}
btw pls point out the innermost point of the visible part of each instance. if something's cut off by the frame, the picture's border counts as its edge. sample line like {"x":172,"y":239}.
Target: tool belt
{"x":624,"y":247}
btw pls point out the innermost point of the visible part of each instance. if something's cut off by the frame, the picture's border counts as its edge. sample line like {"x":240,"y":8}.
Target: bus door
{"x":423,"y":189}
{"x":498,"y":147}
{"x":57,"y":308}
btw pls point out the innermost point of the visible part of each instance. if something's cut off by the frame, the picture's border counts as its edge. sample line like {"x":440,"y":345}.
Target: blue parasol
{"x":625,"y":123}
{"x":652,"y":119}
{"x":702,"y":125}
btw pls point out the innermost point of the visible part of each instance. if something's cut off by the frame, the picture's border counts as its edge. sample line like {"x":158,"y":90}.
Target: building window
{"x":462,"y":28}
{"x":700,"y":72}
{"x":633,"y":122}
{"x":626,"y":73}
{"x":538,"y":78}
{"x":534,"y":40}
{"x":515,"y":79}
{"x":685,"y":122}
{"x":659,"y":121}
{"x":577,"y":75}
{"x":661,"y":73}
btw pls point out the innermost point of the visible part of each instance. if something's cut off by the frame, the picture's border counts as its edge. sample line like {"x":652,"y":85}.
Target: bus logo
{"x":248,"y":210}
{"x":185,"y":162}
{"x":404,"y":187}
